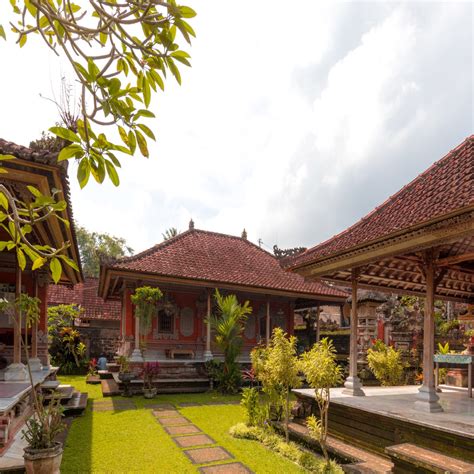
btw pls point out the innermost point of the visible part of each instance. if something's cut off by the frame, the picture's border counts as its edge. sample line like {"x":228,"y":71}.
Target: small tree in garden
{"x":282,"y":367}
{"x":386,"y":364}
{"x":228,"y":324}
{"x":145,"y":300}
{"x":322,"y":372}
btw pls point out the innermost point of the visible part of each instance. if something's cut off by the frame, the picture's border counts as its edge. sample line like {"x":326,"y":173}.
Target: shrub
{"x":386,"y":364}
{"x":322,"y":372}
{"x":250,"y":401}
{"x":242,"y":431}
{"x":150,"y":372}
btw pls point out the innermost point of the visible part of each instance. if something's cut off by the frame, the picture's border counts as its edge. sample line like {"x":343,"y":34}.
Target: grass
{"x":133,"y":441}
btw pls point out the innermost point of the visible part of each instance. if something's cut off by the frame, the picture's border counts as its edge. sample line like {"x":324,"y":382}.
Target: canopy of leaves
{"x":145,"y":300}
{"x":120,"y":52}
{"x":93,"y":246}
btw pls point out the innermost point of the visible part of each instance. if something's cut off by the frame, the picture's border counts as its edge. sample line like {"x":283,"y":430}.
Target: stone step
{"x":76,"y":405}
{"x":360,"y":461}
{"x":109,"y":388}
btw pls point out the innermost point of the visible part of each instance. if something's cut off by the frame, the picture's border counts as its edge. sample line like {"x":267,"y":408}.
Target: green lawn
{"x":133,"y":441}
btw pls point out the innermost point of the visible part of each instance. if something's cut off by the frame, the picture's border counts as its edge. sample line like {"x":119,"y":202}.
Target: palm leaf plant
{"x":228,"y":324}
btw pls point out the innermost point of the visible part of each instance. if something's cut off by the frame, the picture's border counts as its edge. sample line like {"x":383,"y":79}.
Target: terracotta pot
{"x":149,"y":392}
{"x":43,"y":461}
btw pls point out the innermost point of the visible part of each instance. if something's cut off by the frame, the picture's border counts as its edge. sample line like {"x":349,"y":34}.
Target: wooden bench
{"x":409,"y":457}
{"x":187,"y":353}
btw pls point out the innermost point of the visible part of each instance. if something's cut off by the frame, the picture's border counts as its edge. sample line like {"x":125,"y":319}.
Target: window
{"x":165,"y":321}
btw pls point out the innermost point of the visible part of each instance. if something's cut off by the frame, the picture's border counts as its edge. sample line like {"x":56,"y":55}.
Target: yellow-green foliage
{"x":386,"y":364}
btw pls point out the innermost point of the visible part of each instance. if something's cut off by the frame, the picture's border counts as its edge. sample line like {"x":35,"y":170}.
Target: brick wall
{"x":100,"y":340}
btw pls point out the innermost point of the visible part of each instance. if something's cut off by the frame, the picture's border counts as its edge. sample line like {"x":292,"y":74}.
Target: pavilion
{"x":39,"y":169}
{"x":188,"y":269}
{"x":420,"y":241}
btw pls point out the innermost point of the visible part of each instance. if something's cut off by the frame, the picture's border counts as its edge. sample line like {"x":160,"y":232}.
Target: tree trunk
{"x":287,"y":414}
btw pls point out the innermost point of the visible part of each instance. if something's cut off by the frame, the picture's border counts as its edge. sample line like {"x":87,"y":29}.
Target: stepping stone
{"x":178,"y":420}
{"x":166,"y":414}
{"x":182,"y":429}
{"x":231,"y":468}
{"x":190,"y":404}
{"x":193,"y":440}
{"x":159,"y":406}
{"x":205,"y":455}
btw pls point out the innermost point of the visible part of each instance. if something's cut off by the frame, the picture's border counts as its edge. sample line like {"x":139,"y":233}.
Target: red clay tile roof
{"x":220,"y":258}
{"x":446,"y":187}
{"x":85,"y":295}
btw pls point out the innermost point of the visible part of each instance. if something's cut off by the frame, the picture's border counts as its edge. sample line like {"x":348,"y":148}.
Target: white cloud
{"x":287,"y":114}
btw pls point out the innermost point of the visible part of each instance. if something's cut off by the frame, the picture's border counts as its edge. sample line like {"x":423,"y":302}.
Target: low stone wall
{"x":101,"y":339}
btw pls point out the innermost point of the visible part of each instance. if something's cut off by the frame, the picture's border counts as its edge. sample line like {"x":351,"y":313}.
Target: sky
{"x":295,"y":120}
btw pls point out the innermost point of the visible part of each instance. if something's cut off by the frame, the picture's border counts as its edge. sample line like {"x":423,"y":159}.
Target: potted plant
{"x":150,"y":372}
{"x":145,"y":300}
{"x":125,"y":374}
{"x":43,"y":454}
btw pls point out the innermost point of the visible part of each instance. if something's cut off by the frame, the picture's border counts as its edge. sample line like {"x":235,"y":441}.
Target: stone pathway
{"x":200,"y":448}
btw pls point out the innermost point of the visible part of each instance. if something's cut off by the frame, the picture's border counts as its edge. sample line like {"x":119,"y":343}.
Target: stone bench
{"x":409,"y":457}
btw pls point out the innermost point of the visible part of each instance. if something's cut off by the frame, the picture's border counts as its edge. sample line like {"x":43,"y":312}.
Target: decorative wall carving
{"x":250,"y":327}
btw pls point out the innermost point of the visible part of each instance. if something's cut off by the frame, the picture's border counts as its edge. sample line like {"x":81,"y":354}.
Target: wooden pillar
{"x":137,"y":355}
{"x":267,"y":324}
{"x":17,"y":324}
{"x":353,"y":385}
{"x":35,"y":363}
{"x":318,"y":323}
{"x":207,"y":352}
{"x":427,"y":398}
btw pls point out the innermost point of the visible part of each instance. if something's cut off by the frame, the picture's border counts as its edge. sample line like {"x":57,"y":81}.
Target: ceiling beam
{"x":452,"y":260}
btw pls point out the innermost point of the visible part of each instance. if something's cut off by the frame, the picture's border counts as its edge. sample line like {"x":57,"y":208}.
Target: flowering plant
{"x":150,"y":371}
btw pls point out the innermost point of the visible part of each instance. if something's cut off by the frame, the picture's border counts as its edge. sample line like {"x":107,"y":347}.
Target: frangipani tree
{"x":322,"y":373}
{"x":120,"y":52}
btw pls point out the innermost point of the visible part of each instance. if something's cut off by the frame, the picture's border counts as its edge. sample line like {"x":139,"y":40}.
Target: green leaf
{"x":112,"y":172}
{"x":174,"y":70}
{"x":65,"y":133}
{"x":187,"y":12}
{"x":22,"y":40}
{"x":3,"y":201}
{"x":56,"y":269}
{"x":2,"y":32}
{"x":21,"y":258}
{"x":146,"y":92}
{"x":34,"y":191}
{"x":69,"y":152}
{"x":123,"y":134}
{"x":70,"y":262}
{"x":132,"y":141}
{"x":83,"y":172}
{"x":7,"y":157}
{"x":103,"y":37}
{"x":142,"y":143}
{"x":39,"y":262}
{"x":146,"y":130}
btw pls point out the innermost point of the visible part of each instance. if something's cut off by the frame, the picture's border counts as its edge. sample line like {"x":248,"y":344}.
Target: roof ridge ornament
{"x":244,"y":234}
{"x":191,"y":224}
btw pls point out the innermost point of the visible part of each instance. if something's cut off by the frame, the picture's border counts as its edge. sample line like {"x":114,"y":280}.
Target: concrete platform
{"x":387,"y":416}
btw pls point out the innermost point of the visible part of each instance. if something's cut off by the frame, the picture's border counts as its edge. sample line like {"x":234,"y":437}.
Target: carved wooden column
{"x":35,"y":362}
{"x":136,"y":356}
{"x":267,"y":324}
{"x":208,"y":353}
{"x":318,"y":323}
{"x":16,"y":370}
{"x":353,"y":385}
{"x":427,"y":398}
